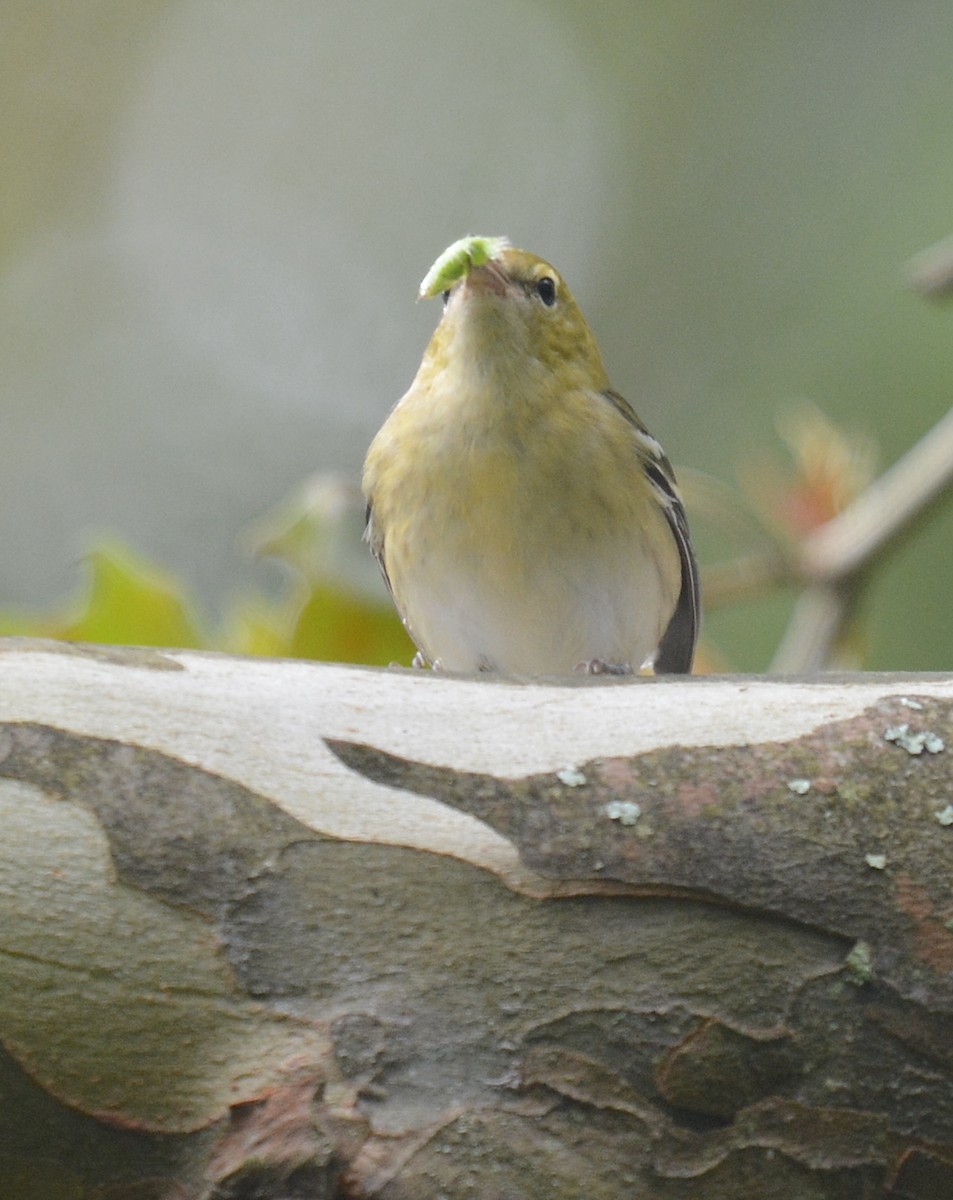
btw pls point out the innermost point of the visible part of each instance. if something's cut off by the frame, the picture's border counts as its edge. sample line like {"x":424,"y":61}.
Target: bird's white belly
{"x":543,"y":617}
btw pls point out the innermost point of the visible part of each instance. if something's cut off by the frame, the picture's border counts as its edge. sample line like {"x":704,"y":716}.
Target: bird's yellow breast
{"x":517,"y":530}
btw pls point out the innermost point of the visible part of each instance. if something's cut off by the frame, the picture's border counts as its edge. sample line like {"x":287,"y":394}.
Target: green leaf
{"x":125,"y":600}
{"x":129,"y":602}
{"x":335,"y":625}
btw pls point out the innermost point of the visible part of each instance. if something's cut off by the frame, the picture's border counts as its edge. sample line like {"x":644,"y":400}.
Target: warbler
{"x":525,"y":520}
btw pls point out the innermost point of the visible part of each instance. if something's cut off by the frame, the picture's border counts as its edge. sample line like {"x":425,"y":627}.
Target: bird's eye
{"x":446,"y":297}
{"x":546,"y":290}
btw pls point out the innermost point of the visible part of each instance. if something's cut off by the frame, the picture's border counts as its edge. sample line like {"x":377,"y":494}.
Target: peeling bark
{"x":293,"y":930}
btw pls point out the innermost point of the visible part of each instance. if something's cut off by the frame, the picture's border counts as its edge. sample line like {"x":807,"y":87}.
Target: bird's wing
{"x":375,"y":540}
{"x":677,"y":647}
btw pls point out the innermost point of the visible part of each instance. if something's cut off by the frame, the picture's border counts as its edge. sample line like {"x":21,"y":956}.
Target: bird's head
{"x":508,"y":312}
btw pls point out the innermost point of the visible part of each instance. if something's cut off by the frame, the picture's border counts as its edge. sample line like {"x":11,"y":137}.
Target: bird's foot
{"x":422,"y":663}
{"x":596,"y":666}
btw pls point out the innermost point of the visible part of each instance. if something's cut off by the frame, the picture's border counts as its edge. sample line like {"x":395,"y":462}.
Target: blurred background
{"x":215,"y":214}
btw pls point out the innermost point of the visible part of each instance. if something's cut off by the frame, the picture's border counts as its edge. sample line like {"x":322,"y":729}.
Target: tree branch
{"x":278,"y":928}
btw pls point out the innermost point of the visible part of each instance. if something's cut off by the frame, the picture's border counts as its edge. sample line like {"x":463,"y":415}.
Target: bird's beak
{"x":488,"y":278}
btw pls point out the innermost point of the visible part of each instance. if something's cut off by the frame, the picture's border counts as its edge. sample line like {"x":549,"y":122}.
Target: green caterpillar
{"x":456,"y":261}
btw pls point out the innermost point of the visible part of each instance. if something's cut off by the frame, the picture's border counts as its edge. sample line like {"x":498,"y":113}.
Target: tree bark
{"x":285,"y":929}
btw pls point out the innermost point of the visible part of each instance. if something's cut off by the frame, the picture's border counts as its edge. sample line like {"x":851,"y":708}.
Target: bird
{"x":525,"y":520}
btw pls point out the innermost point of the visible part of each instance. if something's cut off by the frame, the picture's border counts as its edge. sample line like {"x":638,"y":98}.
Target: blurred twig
{"x":834,"y":559}
{"x":865,"y":529}
{"x":931,"y":272}
{"x":860,"y":520}
{"x":820,"y":615}
{"x":751,"y":577}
